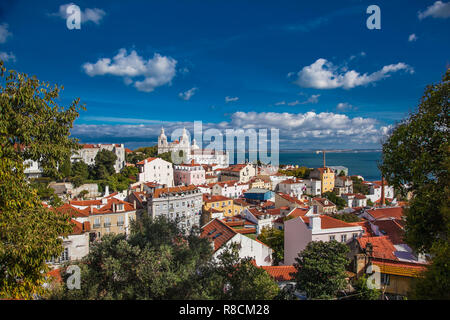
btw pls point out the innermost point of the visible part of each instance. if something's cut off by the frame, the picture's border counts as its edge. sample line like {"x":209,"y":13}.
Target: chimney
{"x":315,"y":222}
{"x":106,"y":191}
{"x":91,"y":209}
{"x":383,"y":200}
{"x":134,"y":204}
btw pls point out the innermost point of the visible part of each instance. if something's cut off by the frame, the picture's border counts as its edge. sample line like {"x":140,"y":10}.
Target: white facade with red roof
{"x":300,"y":231}
{"x":155,"y":170}
{"x":222,"y":236}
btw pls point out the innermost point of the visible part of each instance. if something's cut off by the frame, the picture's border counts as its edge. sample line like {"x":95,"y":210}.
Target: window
{"x":64,"y":256}
{"x":332,"y":238}
{"x":355,"y":235}
{"x":385,"y":279}
{"x":343,"y":238}
{"x":96,"y":222}
{"x":107,"y":222}
{"x":120,"y":221}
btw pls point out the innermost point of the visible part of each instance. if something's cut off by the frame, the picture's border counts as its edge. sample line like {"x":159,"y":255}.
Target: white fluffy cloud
{"x":412,"y":37}
{"x":231,"y":99}
{"x":4,"y":33}
{"x":94,"y":15}
{"x":305,"y":130}
{"x":187,"y":94}
{"x":322,"y":74}
{"x":438,"y":9}
{"x":157,"y":71}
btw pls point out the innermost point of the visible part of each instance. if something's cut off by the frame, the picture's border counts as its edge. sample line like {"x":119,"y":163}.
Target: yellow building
{"x":218,"y":202}
{"x":326,"y":177}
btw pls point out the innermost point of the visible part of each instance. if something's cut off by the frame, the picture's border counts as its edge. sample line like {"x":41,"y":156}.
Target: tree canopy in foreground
{"x":32,"y":126}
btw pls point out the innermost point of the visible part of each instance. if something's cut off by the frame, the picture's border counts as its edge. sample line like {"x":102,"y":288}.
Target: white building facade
{"x":155,"y":170}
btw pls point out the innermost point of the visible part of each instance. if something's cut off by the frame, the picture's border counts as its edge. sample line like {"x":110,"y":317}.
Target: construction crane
{"x":323,"y":151}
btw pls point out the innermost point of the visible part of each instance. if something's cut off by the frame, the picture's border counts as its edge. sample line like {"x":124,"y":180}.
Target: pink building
{"x":189,"y":174}
{"x":300,"y":231}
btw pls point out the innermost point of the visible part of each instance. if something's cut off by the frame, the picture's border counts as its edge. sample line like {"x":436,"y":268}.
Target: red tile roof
{"x":384,"y":213}
{"x":148,"y":160}
{"x":281,"y":273}
{"x":72,"y":211}
{"x":291,"y":199}
{"x":80,"y":228}
{"x":328,"y":222}
{"x":382,"y":247}
{"x":207,"y":198}
{"x":158,"y":192}
{"x":218,"y":232}
{"x":324,"y":202}
{"x":393,"y":229}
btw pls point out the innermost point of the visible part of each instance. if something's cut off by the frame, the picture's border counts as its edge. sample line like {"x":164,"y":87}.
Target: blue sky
{"x":311,"y":69}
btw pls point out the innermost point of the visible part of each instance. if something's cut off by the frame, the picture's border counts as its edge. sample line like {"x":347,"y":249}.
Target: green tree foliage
{"x":104,"y":164}
{"x":274,"y":238}
{"x":321,"y":269}
{"x":46,"y":193}
{"x":301,"y":172}
{"x":347,"y":217}
{"x":338,"y":201}
{"x":362,"y":291}
{"x":359,"y":187}
{"x":416,"y":158}
{"x":158,"y":261}
{"x":80,"y":169}
{"x":32,"y":126}
{"x":435,"y":282}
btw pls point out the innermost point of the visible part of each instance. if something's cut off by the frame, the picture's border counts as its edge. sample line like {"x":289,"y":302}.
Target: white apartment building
{"x":155,"y":170}
{"x":88,"y":152}
{"x":300,"y":231}
{"x":294,"y":187}
{"x":375,"y":191}
{"x":354,"y":199}
{"x":313,"y":187}
{"x":183,"y":203}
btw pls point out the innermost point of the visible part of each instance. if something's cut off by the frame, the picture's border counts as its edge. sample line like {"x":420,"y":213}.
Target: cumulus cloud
{"x":438,"y":9}
{"x":231,"y":99}
{"x":5,"y":56}
{"x":304,"y":130}
{"x":94,"y":15}
{"x":322,"y":74}
{"x":187,"y":94}
{"x":4,"y":33}
{"x":157,"y":71}
{"x":412,"y":37}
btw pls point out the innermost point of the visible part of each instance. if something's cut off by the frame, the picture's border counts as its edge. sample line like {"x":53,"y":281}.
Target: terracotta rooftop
{"x":218,"y":232}
{"x":148,"y":160}
{"x":281,"y":273}
{"x":159,"y":192}
{"x":393,"y":229}
{"x":328,"y":222}
{"x":207,"y":198}
{"x":384,"y":213}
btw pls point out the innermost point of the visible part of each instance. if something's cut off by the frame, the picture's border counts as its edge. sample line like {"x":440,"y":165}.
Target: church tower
{"x":162,"y":142}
